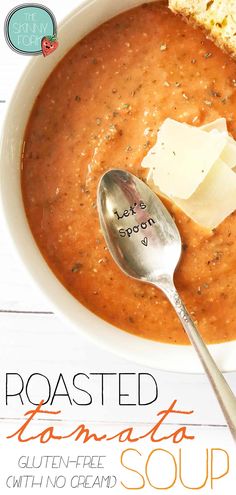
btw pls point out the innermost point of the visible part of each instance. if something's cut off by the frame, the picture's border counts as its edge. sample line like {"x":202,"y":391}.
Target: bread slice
{"x":217,"y":17}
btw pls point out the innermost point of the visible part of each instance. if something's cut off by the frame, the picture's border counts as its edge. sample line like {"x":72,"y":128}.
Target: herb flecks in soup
{"x":101,"y":108}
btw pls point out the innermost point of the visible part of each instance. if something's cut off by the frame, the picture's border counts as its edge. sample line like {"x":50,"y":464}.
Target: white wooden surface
{"x":33,"y":340}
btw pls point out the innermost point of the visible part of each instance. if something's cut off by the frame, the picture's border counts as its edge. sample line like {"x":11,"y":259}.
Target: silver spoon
{"x":145,"y":242}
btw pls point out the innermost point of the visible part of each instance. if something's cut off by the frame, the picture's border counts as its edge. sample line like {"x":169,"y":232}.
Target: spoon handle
{"x":224,"y":394}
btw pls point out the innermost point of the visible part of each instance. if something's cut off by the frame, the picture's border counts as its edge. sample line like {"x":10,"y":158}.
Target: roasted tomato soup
{"x":101,"y":108}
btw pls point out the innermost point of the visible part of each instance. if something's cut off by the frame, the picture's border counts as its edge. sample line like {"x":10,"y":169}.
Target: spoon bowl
{"x":140,"y":232}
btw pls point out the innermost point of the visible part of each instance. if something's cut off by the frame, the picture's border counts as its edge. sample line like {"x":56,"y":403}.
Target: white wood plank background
{"x":29,"y":331}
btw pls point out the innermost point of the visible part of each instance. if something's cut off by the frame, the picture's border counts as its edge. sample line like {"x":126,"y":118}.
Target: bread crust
{"x":227,"y":45}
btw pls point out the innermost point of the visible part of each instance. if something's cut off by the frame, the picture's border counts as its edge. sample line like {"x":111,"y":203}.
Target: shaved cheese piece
{"x":218,"y":124}
{"x":185,"y":155}
{"x":154,"y":187}
{"x":228,"y":154}
{"x":193,"y":167}
{"x":214,"y":199}
{"x":217,"y":127}
{"x":150,"y":159}
{"x":150,"y":175}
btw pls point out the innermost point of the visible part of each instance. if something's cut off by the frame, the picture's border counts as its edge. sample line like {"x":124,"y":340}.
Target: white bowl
{"x":169,"y":357}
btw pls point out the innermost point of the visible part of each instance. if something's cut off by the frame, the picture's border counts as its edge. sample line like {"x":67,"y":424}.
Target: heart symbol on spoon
{"x":145,"y":241}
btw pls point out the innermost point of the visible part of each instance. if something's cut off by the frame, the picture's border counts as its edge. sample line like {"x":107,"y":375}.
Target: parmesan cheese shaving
{"x":228,"y":154}
{"x":214,"y":199}
{"x":194,"y":168}
{"x":218,"y":124}
{"x":184,"y":155}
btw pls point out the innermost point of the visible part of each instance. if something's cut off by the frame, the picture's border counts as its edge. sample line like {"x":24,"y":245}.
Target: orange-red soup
{"x":101,"y":108}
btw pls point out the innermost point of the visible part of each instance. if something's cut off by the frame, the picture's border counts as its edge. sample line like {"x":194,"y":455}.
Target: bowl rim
{"x":165,"y":357}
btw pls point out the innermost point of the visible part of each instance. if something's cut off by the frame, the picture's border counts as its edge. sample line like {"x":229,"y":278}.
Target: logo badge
{"x":31,"y":29}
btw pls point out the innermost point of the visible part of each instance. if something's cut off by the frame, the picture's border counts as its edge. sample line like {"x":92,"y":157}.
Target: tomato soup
{"x":101,"y":108}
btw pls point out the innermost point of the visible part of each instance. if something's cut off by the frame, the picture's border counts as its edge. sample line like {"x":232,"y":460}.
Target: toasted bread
{"x":217,"y":17}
